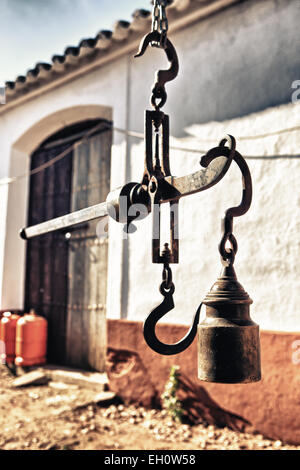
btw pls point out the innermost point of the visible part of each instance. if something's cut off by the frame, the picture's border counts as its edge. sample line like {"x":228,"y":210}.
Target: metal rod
{"x":65,"y":221}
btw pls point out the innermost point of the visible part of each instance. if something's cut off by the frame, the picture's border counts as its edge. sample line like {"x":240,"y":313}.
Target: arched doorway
{"x":66,"y":276}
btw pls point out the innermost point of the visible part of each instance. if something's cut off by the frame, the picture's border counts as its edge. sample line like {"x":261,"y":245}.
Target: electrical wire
{"x":248,"y":137}
{"x":54,"y":159}
{"x":102,"y":126}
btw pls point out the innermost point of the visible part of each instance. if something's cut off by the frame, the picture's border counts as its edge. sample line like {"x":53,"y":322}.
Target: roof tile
{"x":92,"y":47}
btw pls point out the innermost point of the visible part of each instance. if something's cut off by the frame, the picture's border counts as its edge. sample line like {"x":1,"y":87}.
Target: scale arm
{"x":198,"y":181}
{"x":65,"y":221}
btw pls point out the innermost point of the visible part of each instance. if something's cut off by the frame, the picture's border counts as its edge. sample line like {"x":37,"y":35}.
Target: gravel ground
{"x":60,"y":416}
{"x":163,"y":428}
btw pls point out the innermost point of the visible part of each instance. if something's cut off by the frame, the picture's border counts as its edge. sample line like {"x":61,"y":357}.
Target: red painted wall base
{"x":271,"y":405}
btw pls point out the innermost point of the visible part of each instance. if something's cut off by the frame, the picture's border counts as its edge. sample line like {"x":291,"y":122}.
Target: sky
{"x":33,"y":31}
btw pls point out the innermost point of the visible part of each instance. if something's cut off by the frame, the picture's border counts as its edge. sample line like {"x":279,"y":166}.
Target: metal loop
{"x":228,"y":261}
{"x":160,"y":22}
{"x":166,"y":289}
{"x":167,"y":277}
{"x":158,"y":93}
{"x":233,"y":242}
{"x":228,"y":254}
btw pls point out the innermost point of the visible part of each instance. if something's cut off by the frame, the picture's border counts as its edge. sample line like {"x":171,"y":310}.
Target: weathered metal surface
{"x":162,"y":76}
{"x":202,"y":179}
{"x":216,"y":161}
{"x":167,"y":290}
{"x":66,"y":221}
{"x":228,"y":340}
{"x":237,"y":211}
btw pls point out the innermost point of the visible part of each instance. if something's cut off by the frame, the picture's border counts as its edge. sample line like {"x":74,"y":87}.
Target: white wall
{"x":236,"y":62}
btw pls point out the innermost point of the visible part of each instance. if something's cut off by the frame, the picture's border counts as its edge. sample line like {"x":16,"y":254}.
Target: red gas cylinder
{"x":31,"y":340}
{"x":8,"y":336}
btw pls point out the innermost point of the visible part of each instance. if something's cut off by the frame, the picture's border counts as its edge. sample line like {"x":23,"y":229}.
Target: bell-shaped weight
{"x":228,"y":340}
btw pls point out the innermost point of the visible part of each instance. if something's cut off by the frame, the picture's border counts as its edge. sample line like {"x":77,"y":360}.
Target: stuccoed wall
{"x":236,"y":62}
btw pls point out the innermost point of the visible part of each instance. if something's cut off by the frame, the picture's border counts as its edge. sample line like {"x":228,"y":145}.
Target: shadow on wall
{"x":130,"y":380}
{"x":200,"y":407}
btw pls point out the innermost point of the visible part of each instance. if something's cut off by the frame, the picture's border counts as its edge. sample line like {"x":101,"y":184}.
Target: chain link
{"x":167,"y":279}
{"x":160,"y":21}
{"x":167,"y":276}
{"x":228,"y":254}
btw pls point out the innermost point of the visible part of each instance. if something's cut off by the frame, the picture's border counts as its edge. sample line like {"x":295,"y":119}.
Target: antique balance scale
{"x":228,"y":340}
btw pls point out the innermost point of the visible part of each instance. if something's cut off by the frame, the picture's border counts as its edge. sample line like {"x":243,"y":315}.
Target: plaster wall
{"x":241,"y":60}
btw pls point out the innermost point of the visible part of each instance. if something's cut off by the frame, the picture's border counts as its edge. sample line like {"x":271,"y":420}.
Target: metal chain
{"x":228,"y":254}
{"x":167,"y":276}
{"x":167,"y":272}
{"x":160,"y":21}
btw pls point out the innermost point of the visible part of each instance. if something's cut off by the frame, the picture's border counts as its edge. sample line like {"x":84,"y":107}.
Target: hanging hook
{"x":237,"y":211}
{"x":156,"y":314}
{"x":162,"y":76}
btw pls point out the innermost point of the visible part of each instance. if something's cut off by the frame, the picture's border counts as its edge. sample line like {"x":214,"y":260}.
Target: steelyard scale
{"x":228,"y":340}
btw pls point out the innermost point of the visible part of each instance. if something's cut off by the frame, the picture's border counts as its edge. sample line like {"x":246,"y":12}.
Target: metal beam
{"x":66,"y":221}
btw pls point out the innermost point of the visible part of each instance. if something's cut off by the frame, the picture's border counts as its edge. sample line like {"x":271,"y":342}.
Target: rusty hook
{"x":156,"y":314}
{"x":161,"y":76}
{"x":237,"y":211}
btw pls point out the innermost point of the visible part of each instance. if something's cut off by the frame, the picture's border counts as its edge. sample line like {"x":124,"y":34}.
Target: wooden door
{"x":66,"y":277}
{"x":86,"y":327}
{"x":46,"y":285}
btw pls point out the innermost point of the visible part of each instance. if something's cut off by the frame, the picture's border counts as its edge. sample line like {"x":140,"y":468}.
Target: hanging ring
{"x":167,"y":278}
{"x":167,"y":288}
{"x":158,"y":93}
{"x":228,"y":255}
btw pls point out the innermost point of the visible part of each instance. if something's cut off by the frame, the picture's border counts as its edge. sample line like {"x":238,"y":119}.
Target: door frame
{"x":12,"y":285}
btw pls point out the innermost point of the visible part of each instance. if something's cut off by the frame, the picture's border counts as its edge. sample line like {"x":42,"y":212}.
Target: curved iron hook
{"x":156,"y":314}
{"x":236,"y":211}
{"x":162,"y":76}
